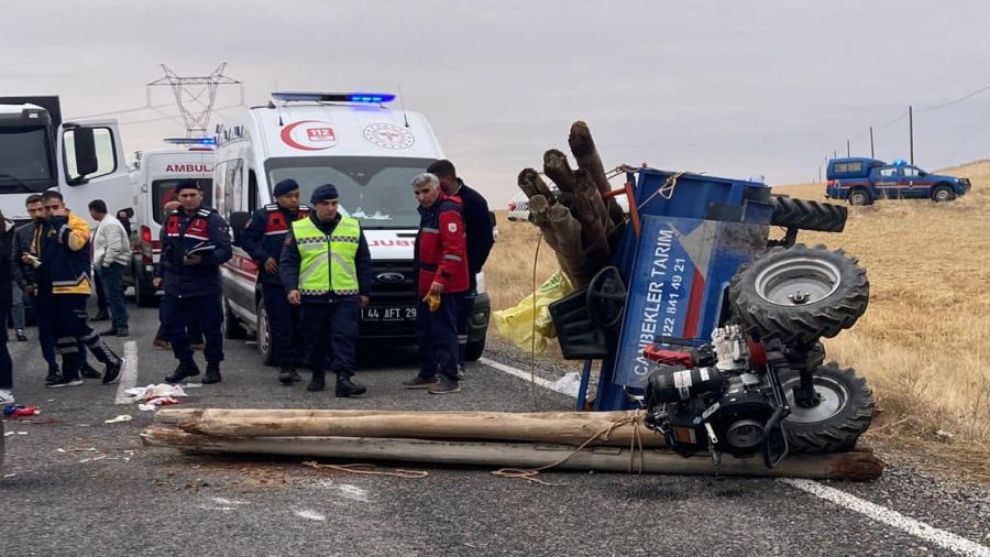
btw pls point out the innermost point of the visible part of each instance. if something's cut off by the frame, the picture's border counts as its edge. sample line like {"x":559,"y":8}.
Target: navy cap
{"x":322,"y":193}
{"x":186,"y":184}
{"x":285,"y":186}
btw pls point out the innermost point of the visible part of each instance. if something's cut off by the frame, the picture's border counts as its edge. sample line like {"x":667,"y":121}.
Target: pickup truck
{"x":862,"y":181}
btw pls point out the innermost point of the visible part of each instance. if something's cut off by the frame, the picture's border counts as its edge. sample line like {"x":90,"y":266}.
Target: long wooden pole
{"x":859,"y":465}
{"x":568,"y":428}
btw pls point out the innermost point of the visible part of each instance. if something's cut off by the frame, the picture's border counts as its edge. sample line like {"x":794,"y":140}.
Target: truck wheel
{"x":942,"y":194}
{"x":799,"y":294}
{"x":807,"y":215}
{"x":860,"y":198}
{"x":264,"y":334}
{"x":474,"y":350}
{"x":232,"y":328}
{"x":844,"y":411}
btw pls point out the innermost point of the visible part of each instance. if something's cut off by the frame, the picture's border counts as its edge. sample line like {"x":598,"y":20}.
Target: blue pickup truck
{"x":862,"y":181}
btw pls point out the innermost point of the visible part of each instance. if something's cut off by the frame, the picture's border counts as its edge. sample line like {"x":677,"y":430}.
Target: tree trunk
{"x":570,"y":251}
{"x":556,"y":167}
{"x":584,"y":151}
{"x":858,"y":465}
{"x":542,"y":427}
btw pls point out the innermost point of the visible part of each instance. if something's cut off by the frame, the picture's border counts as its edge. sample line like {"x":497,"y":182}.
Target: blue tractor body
{"x":695,"y":232}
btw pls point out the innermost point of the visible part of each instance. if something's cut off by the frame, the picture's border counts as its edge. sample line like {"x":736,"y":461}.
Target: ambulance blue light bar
{"x":372,"y":98}
{"x":191,"y":140}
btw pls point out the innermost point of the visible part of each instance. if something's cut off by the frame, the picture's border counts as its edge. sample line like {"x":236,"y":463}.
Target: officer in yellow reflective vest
{"x":326,"y":267}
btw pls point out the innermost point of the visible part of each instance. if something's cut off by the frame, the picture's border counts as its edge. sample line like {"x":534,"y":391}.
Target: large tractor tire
{"x":799,"y":294}
{"x":844,"y":411}
{"x":804,"y":214}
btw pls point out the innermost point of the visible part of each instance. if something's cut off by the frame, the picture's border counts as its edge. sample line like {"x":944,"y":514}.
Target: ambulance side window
{"x":234,"y":185}
{"x":252,"y":191}
{"x":221,"y":192}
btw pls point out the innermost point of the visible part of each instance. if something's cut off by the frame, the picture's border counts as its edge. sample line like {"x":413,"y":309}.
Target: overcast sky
{"x":741,"y":89}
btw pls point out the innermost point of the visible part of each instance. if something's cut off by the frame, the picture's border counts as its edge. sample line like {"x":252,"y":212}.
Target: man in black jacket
{"x":480,"y":239}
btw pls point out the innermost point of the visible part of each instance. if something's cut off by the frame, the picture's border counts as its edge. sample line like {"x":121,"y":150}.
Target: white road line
{"x":930,"y":534}
{"x":128,"y":374}
{"x":523,"y":375}
{"x":890,"y":517}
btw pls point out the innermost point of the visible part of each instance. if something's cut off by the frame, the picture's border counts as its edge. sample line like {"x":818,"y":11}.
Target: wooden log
{"x":556,"y":167}
{"x":532,"y":184}
{"x":572,"y":428}
{"x":858,"y":465}
{"x":570,"y":249}
{"x":584,"y":151}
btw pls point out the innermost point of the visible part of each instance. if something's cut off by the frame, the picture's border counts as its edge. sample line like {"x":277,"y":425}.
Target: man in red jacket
{"x":442,"y":266}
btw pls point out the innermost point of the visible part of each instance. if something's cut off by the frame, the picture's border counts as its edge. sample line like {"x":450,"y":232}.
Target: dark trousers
{"x":113,"y":289}
{"x":46,"y":328}
{"x":436,"y":334}
{"x":192,"y":329}
{"x":465,"y":304}
{"x":6,"y":366}
{"x":101,"y":297}
{"x":177,"y":316}
{"x":284,"y":320}
{"x":72,"y":332}
{"x":339,"y":321}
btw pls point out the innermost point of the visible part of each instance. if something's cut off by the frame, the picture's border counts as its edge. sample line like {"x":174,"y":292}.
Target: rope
{"x":369,"y":470}
{"x":530,"y":474}
{"x":532,"y":331}
{"x":665,"y":191}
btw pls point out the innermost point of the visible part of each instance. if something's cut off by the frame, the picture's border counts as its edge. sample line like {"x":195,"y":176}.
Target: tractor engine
{"x":723,"y":397}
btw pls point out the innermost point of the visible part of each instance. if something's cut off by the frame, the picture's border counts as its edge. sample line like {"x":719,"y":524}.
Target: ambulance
{"x":370,"y":152}
{"x":155,"y":173}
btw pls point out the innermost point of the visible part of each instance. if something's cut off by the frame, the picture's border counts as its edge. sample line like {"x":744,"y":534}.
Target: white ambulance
{"x":155,"y":174}
{"x":370,"y":152}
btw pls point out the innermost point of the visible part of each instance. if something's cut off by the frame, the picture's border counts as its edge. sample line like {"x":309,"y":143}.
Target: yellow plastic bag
{"x":516,"y":323}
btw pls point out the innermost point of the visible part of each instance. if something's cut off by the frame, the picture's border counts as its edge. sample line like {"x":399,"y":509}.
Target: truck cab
{"x":155,"y":173}
{"x":371,"y":153}
{"x":862,"y":181}
{"x":38,"y":152}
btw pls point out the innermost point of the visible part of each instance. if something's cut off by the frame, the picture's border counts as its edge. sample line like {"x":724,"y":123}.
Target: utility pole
{"x":195,"y":96}
{"x":819,"y":174}
{"x":873,"y":154}
{"x":911,"y":130}
{"x":835,"y":154}
{"x":848,"y":151}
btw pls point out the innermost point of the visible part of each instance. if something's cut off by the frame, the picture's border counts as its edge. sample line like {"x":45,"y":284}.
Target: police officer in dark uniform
{"x":195,"y":243}
{"x":263,"y":239}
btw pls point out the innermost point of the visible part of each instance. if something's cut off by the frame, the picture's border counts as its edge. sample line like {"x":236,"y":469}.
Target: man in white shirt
{"x":111,"y":254}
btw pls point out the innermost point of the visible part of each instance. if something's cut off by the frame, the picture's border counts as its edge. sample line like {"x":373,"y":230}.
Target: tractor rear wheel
{"x":843,"y":412}
{"x":804,"y":214}
{"x":799,"y":294}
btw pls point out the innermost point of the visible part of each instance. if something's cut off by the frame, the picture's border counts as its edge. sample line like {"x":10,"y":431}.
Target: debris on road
{"x":158,"y":402}
{"x":161,"y":390}
{"x":119,"y":419}
{"x":20,"y":411}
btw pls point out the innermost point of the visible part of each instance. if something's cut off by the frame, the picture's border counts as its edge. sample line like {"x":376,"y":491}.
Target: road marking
{"x":946,"y":540}
{"x":128,"y":374}
{"x":890,"y":517}
{"x":524,"y":375}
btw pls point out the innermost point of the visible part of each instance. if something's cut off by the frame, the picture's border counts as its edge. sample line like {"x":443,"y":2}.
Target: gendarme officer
{"x":195,"y":243}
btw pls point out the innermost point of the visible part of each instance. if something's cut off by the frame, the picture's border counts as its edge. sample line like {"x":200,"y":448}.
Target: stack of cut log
{"x":491,"y":439}
{"x":579,"y":224}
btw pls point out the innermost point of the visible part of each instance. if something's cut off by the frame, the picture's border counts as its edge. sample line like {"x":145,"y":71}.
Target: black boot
{"x":212,"y":373}
{"x":347,"y":388}
{"x":288,"y":375}
{"x":184,"y":370}
{"x":317,"y":383}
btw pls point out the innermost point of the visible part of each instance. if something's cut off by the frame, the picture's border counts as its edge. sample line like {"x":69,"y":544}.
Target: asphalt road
{"x":78,"y":486}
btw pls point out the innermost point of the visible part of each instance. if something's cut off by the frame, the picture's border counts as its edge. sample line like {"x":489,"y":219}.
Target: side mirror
{"x":84,"y":143}
{"x":238,"y":222}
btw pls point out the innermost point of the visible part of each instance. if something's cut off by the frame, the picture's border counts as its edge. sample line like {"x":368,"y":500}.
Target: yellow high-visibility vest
{"x":327,"y":262}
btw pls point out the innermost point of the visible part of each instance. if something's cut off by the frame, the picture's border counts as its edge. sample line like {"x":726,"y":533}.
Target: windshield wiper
{"x":17,"y":183}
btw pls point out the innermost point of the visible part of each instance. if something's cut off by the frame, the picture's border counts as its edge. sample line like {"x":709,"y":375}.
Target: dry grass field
{"x":924,"y":343}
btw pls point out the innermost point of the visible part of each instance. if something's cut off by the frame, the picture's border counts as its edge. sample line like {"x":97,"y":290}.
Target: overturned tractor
{"x":693,"y":311}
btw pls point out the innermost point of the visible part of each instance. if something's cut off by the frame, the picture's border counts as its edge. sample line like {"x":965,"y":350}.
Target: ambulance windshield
{"x":376,"y":190}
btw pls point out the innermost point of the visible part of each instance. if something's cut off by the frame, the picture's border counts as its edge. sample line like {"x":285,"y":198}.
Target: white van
{"x":155,"y":174}
{"x":371,"y":153}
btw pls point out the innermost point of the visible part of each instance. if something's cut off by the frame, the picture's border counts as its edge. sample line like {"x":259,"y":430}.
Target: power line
{"x":195,"y":95}
{"x":956,"y":101}
{"x":173,"y":117}
{"x":112,"y":112}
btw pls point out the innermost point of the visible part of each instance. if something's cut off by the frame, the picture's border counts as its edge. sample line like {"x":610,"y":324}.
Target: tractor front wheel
{"x":843,"y":410}
{"x":799,"y":294}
